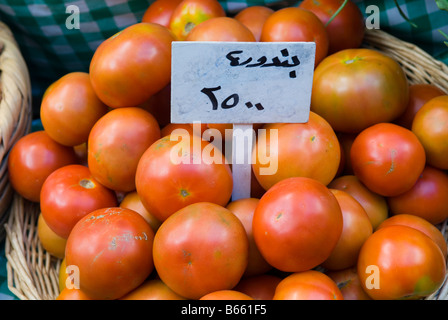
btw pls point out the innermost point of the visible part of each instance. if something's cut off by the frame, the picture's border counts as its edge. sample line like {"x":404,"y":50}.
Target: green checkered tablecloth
{"x":52,"y":49}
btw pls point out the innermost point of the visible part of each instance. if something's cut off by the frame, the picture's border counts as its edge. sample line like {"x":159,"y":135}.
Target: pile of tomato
{"x":353,"y":211}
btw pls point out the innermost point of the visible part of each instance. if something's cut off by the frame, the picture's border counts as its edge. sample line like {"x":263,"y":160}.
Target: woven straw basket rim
{"x":15,"y":109}
{"x":33,"y":274}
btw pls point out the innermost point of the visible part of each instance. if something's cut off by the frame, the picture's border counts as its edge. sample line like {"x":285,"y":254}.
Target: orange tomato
{"x":153,"y":289}
{"x":221,"y":29}
{"x":160,"y":11}
{"x":253,"y":18}
{"x":132,"y":201}
{"x":226,"y":295}
{"x":50,"y":241}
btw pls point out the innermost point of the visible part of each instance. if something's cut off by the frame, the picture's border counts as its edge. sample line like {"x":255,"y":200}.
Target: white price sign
{"x":241,"y":83}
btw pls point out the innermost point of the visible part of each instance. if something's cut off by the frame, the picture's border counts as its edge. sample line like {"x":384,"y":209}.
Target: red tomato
{"x":420,"y":224}
{"x":70,"y":108}
{"x":153,"y":289}
{"x":72,"y":294}
{"x":70,"y":193}
{"x":259,"y":287}
{"x":32,"y":159}
{"x":132,"y":201}
{"x":221,"y":29}
{"x":307,"y":285}
{"x":356,"y":88}
{"x":296,"y":24}
{"x":112,"y":247}
{"x":348,"y":282}
{"x":226,"y":295}
{"x":200,"y":249}
{"x":427,"y":198}
{"x":50,"y":241}
{"x":374,"y":204}
{"x":355,"y":231}
{"x":160,"y":12}
{"x":302,"y":150}
{"x":430,"y":127}
{"x":400,"y":262}
{"x":174,"y":173}
{"x":387,"y":158}
{"x":419,"y":94}
{"x":190,"y":13}
{"x":244,"y":210}
{"x":254,"y":18}
{"x":131,"y":66}
{"x":346,"y":30}
{"x":297,"y":224}
{"x":116,"y":143}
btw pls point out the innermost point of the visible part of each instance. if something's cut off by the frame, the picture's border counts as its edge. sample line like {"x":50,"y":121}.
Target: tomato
{"x":131,"y":66}
{"x":355,"y":231}
{"x":253,"y":18}
{"x":259,"y":287}
{"x":152,"y":289}
{"x":116,"y":143}
{"x":180,"y":170}
{"x":62,"y":275}
{"x":112,"y":247}
{"x":50,"y":241}
{"x":420,"y":224}
{"x":297,"y":224}
{"x":199,"y":249}
{"x":345,"y":142}
{"x":244,"y":210}
{"x":190,"y":13}
{"x":307,"y":285}
{"x":426,"y":199}
{"x":400,"y":262}
{"x":70,"y":193}
{"x":221,"y":29}
{"x":32,"y":159}
{"x":132,"y":201}
{"x":81,"y":153}
{"x":357,"y":88}
{"x":419,"y":94}
{"x":348,"y":282}
{"x":387,"y":158}
{"x":226,"y":295}
{"x":296,"y":24}
{"x":159,"y":105}
{"x":374,"y":204}
{"x":430,"y":127}
{"x":70,"y":108}
{"x":308,"y":149}
{"x":72,"y":294}
{"x":160,"y":11}
{"x":346,"y":30}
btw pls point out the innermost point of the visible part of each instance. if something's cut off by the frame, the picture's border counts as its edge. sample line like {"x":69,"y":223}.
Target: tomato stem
{"x":337,"y":12}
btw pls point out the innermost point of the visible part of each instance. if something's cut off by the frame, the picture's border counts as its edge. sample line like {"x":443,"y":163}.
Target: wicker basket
{"x":15,"y":109}
{"x":33,"y":273}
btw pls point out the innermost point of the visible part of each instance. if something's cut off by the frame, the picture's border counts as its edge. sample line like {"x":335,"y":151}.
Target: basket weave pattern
{"x":33,"y":273}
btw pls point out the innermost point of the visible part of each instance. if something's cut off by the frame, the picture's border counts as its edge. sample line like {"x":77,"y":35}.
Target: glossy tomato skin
{"x":348,"y":282}
{"x":296,"y":24}
{"x":387,"y":158}
{"x":259,"y":287}
{"x":357,"y":88}
{"x":200,"y":249}
{"x":426,"y":199}
{"x":112,"y":247}
{"x":32,"y":159}
{"x":429,"y":125}
{"x":419,"y":94}
{"x":116,"y":143}
{"x":166,"y":185}
{"x":253,"y":18}
{"x":72,"y":294}
{"x":407,"y":263}
{"x":221,"y":29}
{"x":302,"y":150}
{"x":70,"y":193}
{"x":297,"y":224}
{"x":132,"y":201}
{"x":70,"y":108}
{"x":307,"y":285}
{"x":152,"y":289}
{"x":160,"y":11}
{"x":131,"y":66}
{"x":190,"y":13}
{"x":244,"y":210}
{"x":374,"y":204}
{"x":226,"y":295}
{"x":346,"y":31}
{"x":50,"y":241}
{"x":355,"y":231}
